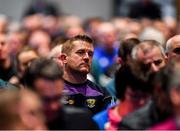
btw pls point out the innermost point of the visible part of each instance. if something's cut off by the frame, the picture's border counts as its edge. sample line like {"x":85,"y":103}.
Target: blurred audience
{"x":105,"y":53}
{"x":7,"y":66}
{"x":145,"y":9}
{"x":10,"y":118}
{"x":45,"y":77}
{"x":41,"y":41}
{"x":132,"y":93}
{"x":23,"y":59}
{"x":21,"y":110}
{"x":173,"y":95}
{"x":80,"y":58}
{"x":155,"y":111}
{"x":124,"y":58}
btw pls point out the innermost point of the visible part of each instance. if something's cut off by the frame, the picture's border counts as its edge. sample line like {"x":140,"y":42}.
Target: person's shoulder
{"x":3,"y":83}
{"x":92,"y":84}
{"x":101,"y":118}
{"x":139,"y":119}
{"x":6,"y":85}
{"x":96,"y":87}
{"x":168,"y":124}
{"x":79,"y":118}
{"x":102,"y":90}
{"x":70,"y":110}
{"x":73,"y":113}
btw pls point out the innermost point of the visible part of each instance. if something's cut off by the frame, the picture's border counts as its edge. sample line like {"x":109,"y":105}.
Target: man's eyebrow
{"x":80,"y":50}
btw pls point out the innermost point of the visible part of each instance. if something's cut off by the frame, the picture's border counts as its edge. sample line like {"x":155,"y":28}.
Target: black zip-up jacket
{"x":71,"y":118}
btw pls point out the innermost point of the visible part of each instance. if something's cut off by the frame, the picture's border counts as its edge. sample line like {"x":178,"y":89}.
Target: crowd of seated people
{"x":62,"y":73}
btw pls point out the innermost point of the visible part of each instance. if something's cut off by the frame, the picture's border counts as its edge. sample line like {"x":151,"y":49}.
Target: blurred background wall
{"x":83,"y":8}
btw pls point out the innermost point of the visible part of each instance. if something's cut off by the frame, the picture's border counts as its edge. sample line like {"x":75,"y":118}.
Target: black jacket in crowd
{"x":143,"y":118}
{"x":72,"y":118}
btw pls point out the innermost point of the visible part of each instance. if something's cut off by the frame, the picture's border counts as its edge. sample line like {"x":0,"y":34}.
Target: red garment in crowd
{"x":114,"y":120}
{"x":169,"y":124}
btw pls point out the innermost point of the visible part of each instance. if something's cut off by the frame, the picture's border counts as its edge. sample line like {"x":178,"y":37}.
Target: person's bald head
{"x":173,"y":46}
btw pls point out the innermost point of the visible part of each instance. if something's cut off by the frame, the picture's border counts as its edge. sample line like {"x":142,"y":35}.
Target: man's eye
{"x":157,"y":62}
{"x":2,"y":43}
{"x":176,"y":51}
{"x":90,"y":53}
{"x":80,"y":52}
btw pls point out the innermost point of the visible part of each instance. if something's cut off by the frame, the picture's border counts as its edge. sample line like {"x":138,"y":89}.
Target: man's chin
{"x":51,"y":116}
{"x":85,"y":71}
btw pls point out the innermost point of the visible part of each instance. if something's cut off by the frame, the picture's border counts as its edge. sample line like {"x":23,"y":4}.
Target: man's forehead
{"x":176,"y":44}
{"x":3,"y":37}
{"x":145,"y":50}
{"x":155,"y":53}
{"x":78,"y":44}
{"x":176,"y":40}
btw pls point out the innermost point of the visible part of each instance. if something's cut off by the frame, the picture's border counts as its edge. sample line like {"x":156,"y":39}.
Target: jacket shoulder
{"x":139,"y":119}
{"x":79,"y":119}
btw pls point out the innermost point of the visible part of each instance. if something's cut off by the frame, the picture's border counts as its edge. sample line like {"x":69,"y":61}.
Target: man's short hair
{"x":68,"y":45}
{"x":168,"y":45}
{"x":128,"y":76}
{"x":42,"y":68}
{"x":126,"y":47}
{"x":142,"y":46}
{"x":25,"y":49}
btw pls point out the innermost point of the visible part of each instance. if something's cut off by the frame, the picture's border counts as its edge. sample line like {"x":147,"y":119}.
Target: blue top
{"x":102,"y":118}
{"x":104,"y":59}
{"x":103,"y":63}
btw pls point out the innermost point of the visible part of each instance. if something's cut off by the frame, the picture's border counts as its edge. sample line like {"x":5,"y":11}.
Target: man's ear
{"x":63,"y":58}
{"x":166,"y":54}
{"x":175,"y":97}
{"x":119,"y":60}
{"x":166,"y":58}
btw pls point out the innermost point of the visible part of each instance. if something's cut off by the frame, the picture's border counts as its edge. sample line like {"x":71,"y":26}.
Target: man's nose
{"x":154,"y":68}
{"x":86,"y":55}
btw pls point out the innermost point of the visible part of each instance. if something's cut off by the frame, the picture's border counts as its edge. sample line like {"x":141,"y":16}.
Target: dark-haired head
{"x":126,"y":77}
{"x":126,"y":47}
{"x":42,"y":68}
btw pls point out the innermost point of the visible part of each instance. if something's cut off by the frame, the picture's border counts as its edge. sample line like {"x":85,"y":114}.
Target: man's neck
{"x":5,"y":63}
{"x":74,"y":78}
